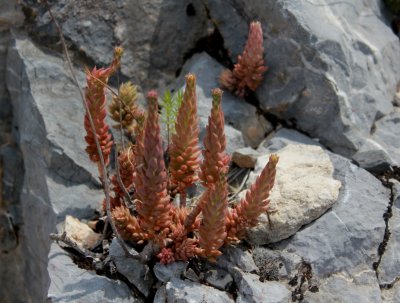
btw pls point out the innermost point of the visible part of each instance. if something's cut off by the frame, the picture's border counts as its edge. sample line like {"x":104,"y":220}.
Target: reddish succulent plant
{"x":96,"y":100}
{"x":249,"y":69}
{"x":179,"y":233}
{"x":184,"y":150}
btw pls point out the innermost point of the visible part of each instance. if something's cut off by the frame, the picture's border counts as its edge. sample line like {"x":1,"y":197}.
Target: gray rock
{"x":179,"y":291}
{"x":136,"y":272}
{"x":332,"y":66}
{"x":275,"y":265}
{"x":346,"y":238}
{"x":191,"y":275}
{"x":245,"y":157}
{"x":304,"y":189}
{"x":237,"y":112}
{"x":283,"y":137}
{"x":57,"y":177}
{"x":236,"y":257}
{"x":251,"y":290}
{"x":69,"y":283}
{"x":161,"y":295}
{"x":389,"y":267}
{"x":391,"y":295}
{"x":218,"y":278}
{"x":341,"y":288}
{"x":155,"y":47}
{"x":385,"y":149}
{"x":165,"y":272}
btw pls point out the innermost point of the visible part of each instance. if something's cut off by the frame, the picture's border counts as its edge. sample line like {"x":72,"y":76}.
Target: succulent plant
{"x":179,"y":232}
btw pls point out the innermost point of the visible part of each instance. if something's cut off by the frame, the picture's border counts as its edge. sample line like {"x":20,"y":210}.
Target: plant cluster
{"x":249,"y":69}
{"x":145,"y":187}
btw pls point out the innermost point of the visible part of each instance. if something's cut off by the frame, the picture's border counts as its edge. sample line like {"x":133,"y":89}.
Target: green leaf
{"x":170,"y":106}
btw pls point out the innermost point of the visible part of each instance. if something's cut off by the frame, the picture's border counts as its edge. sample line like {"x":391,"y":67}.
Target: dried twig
{"x":106,"y":182}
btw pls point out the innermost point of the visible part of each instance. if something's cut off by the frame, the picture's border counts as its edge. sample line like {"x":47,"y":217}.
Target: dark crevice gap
{"x":213,"y":44}
{"x":392,"y":173}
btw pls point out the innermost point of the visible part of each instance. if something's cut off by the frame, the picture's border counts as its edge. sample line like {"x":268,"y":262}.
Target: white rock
{"x":80,"y":233}
{"x":304,"y":189}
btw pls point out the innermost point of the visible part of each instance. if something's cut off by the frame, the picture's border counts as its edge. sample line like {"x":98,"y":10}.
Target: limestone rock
{"x":57,"y":177}
{"x":136,"y":272}
{"x":304,"y":189}
{"x":165,"y":272}
{"x":346,"y":238}
{"x":341,"y":288}
{"x":70,"y":284}
{"x":382,"y":148}
{"x":154,"y":47}
{"x":187,"y":292}
{"x":218,"y":278}
{"x":80,"y":233}
{"x":251,"y":290}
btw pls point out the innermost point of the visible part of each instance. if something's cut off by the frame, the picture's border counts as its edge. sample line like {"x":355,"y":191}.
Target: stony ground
{"x":329,"y":107}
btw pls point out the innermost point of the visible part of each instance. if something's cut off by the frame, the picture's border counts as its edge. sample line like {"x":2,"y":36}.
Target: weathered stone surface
{"x":391,"y":295}
{"x":161,"y":295}
{"x":218,"y":278}
{"x":80,"y":233}
{"x":70,"y":284}
{"x":245,"y":157}
{"x":136,"y":272}
{"x":304,"y":189}
{"x":275,"y":265}
{"x":165,"y":272}
{"x":251,"y":290}
{"x":236,"y":257}
{"x":155,"y":47}
{"x":238,"y":113}
{"x":389,"y":268}
{"x":341,"y":288}
{"x":58,"y":178}
{"x":346,"y":238}
{"x":283,"y":137}
{"x":187,"y":292}
{"x":383,"y":148}
{"x":333,"y":67}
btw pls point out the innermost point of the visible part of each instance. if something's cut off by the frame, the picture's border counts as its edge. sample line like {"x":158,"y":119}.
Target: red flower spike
{"x":246,"y":212}
{"x":212,"y":230}
{"x":184,"y":150}
{"x":216,"y":160}
{"x":151,"y":179}
{"x":96,"y":100}
{"x":248,"y":71}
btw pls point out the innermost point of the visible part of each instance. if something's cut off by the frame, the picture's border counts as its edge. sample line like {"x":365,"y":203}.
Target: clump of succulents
{"x":178,"y":231}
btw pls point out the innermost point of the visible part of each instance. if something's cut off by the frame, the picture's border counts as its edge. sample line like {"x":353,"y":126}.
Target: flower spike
{"x":184,"y":149}
{"x":216,"y":160}
{"x":248,"y":71}
{"x":246,"y":213}
{"x":96,"y":100}
{"x":154,"y":208}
